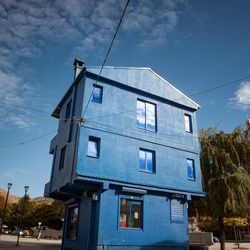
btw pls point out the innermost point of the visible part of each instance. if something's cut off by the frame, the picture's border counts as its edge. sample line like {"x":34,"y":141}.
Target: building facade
{"x":125,"y":160}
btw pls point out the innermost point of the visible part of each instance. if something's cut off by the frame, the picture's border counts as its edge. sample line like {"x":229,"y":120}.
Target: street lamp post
{"x":5,"y":206}
{"x":21,"y":220}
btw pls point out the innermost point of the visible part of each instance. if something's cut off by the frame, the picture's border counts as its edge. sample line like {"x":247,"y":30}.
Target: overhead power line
{"x":110,"y":129}
{"x":23,"y":107}
{"x":189,"y":95}
{"x":27,"y":141}
{"x":121,"y":112}
{"x":107,"y":54}
{"x":219,"y":86}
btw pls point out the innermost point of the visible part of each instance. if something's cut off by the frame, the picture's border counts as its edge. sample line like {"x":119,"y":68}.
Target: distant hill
{"x":15,"y":199}
{"x":11,"y":199}
{"x":43,"y":200}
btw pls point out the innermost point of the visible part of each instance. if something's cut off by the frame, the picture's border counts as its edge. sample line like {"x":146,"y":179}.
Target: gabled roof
{"x":144,"y":79}
{"x":147,"y":80}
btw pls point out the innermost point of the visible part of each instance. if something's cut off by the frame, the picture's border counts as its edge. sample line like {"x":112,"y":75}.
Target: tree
{"x":2,"y":200}
{"x":50,"y":215}
{"x":20,"y":214}
{"x":225,"y":167}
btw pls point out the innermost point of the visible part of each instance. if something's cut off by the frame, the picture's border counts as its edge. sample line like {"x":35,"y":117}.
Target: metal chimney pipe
{"x":78,"y":66}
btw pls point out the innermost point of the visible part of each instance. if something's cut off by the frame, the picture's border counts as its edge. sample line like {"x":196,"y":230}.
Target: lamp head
{"x":9,"y":185}
{"x":26,"y":188}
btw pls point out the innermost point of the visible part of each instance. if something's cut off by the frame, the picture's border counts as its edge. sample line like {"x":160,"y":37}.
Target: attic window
{"x":188,"y":123}
{"x":146,"y":115}
{"x":97,"y":93}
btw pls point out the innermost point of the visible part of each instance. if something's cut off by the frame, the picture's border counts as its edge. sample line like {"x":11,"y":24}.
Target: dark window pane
{"x":124,"y":213}
{"x":72,"y":223}
{"x":130,"y":213}
{"x":62,"y":158}
{"x":136,"y":214}
{"x":68,"y":110}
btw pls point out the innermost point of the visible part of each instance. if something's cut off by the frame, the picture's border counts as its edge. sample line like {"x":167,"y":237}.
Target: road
{"x":9,"y":242}
{"x":231,"y":246}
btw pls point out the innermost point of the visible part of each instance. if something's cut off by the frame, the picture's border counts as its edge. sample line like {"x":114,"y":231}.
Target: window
{"x":188,"y":123}
{"x":97,"y":93}
{"x":68,"y":110}
{"x":146,"y":115}
{"x":190,"y":169}
{"x":177,"y":211}
{"x":147,"y":160}
{"x":53,"y":163}
{"x":62,"y":158}
{"x":94,"y":147}
{"x":72,"y":223}
{"x":130,"y":213}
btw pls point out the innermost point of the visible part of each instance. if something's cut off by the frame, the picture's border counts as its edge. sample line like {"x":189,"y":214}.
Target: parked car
{"x":15,"y":232}
{"x":6,"y":231}
{"x":216,"y":239}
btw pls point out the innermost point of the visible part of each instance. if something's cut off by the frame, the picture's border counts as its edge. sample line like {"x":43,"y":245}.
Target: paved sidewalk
{"x":231,"y":246}
{"x":9,"y":242}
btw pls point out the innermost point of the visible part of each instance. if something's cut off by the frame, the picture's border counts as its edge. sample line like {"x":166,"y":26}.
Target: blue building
{"x":126,"y":160}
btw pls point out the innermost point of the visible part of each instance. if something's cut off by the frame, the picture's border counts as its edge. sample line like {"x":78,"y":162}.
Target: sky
{"x":197,"y":45}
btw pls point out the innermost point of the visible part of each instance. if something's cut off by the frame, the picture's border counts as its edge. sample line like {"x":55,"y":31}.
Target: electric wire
{"x":27,"y":141}
{"x":174,"y":100}
{"x":106,"y":57}
{"x":188,"y":135}
{"x":219,"y":86}
{"x":23,"y":107}
{"x":148,"y":135}
{"x":117,"y":113}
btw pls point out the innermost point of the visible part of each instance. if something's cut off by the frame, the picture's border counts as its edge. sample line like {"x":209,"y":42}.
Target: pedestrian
{"x":39,"y":230}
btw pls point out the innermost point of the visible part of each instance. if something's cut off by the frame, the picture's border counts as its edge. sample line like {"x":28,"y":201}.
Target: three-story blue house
{"x":126,"y":160}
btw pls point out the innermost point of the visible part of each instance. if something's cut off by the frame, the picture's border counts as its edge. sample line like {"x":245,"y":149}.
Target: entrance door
{"x":94,"y":222}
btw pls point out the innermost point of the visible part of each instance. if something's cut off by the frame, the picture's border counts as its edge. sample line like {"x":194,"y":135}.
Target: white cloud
{"x":15,"y":173}
{"x":27,"y":27}
{"x":241,"y":99}
{"x":16,"y":96}
{"x":153,"y":21}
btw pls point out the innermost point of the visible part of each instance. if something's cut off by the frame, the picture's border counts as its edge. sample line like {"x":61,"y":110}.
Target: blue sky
{"x":195,"y":45}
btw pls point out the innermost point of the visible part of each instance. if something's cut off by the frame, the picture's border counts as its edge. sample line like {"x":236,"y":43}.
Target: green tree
{"x":225,"y":167}
{"x":28,"y":213}
{"x":50,"y":215}
{"x":20,"y":214}
{"x":2,"y":200}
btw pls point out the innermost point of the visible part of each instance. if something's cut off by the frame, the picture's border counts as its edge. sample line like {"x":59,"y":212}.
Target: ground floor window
{"x":72,"y":222}
{"x":130,"y":213}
